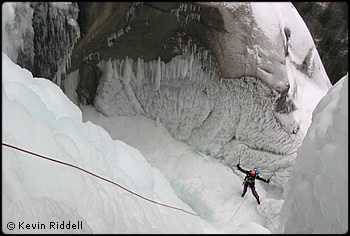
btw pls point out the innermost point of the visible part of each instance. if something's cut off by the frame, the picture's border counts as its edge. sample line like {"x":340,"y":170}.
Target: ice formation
{"x":214,"y":115}
{"x":316,"y":197}
{"x":182,"y":9}
{"x":17,"y":31}
{"x":40,"y":36}
{"x":55,"y":32}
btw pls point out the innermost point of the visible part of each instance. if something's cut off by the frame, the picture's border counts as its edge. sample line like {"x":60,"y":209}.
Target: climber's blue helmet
{"x":256,"y":170}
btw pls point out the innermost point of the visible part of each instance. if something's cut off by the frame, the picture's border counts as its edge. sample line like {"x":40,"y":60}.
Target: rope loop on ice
{"x":97,"y":176}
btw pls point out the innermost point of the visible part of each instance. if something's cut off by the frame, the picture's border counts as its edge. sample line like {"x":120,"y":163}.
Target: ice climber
{"x":249,"y":180}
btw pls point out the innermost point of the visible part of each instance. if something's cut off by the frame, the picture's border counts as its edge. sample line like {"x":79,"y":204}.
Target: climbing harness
{"x":97,"y":176}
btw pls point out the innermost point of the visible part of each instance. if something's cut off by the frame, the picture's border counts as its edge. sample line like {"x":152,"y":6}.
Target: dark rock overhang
{"x":150,"y":30}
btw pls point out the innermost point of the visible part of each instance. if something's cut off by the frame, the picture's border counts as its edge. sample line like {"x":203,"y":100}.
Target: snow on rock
{"x":316,"y":197}
{"x":275,"y":45}
{"x":284,"y":21}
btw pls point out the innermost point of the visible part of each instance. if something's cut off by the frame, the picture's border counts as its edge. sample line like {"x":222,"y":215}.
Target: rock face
{"x":152,"y":30}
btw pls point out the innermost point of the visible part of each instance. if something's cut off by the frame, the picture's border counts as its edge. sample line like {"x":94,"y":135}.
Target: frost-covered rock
{"x":316,"y":197}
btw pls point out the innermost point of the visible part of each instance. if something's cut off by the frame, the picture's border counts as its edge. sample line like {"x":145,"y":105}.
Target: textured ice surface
{"x":316,"y":197}
{"x":223,"y":118}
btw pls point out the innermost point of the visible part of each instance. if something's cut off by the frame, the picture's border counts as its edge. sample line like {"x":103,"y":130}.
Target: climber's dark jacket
{"x":251,"y":179}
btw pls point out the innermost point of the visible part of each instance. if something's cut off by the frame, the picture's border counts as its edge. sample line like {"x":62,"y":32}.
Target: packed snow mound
{"x":316,"y":198}
{"x":39,"y":196}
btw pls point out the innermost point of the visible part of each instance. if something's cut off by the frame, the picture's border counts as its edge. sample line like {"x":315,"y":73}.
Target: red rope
{"x":97,"y":176}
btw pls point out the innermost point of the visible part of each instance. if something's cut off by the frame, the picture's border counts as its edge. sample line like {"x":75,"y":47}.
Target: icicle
{"x":115,"y":74}
{"x":185,"y":68}
{"x":140,"y":74}
{"x":127,"y":71}
{"x":190,"y":67}
{"x":205,"y":54}
{"x":177,"y":14}
{"x":190,"y":61}
{"x":158,"y":75}
{"x":178,"y":68}
{"x":108,"y":70}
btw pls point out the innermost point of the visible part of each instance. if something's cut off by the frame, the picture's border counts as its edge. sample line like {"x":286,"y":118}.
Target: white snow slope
{"x":316,"y":197}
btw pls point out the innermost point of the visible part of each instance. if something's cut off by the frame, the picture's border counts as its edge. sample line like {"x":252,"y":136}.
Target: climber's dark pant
{"x":252,"y":186}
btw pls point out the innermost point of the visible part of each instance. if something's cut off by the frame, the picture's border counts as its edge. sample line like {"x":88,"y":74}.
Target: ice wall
{"x":18,"y":33}
{"x":316,"y":197}
{"x":40,"y":36}
{"x":55,"y":32}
